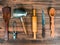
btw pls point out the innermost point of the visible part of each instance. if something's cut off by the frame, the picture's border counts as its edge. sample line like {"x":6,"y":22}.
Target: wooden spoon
{"x":52,"y":14}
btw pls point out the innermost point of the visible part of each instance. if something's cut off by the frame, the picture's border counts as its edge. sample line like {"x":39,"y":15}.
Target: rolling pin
{"x":6,"y":16}
{"x":52,"y":14}
{"x":34,"y":23}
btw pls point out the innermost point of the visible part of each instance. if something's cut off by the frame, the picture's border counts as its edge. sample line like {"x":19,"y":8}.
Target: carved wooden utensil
{"x":52,"y":14}
{"x":34,"y":23}
{"x":6,"y":16}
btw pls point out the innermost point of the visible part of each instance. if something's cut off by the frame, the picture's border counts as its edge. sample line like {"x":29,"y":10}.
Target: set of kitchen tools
{"x":19,"y":13}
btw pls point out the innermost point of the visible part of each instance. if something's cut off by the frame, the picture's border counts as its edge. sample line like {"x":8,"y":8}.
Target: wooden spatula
{"x":6,"y":16}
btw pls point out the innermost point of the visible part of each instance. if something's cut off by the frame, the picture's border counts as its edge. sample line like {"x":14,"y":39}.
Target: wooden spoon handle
{"x":52,"y":27}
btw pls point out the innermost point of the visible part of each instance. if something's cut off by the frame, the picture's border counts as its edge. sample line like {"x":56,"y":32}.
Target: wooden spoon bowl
{"x":52,"y":12}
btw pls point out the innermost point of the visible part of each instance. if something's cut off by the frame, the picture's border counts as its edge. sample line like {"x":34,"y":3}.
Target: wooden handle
{"x":34,"y":35}
{"x":52,"y":27}
{"x":23,"y":25}
{"x":6,"y":31}
{"x":34,"y":12}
